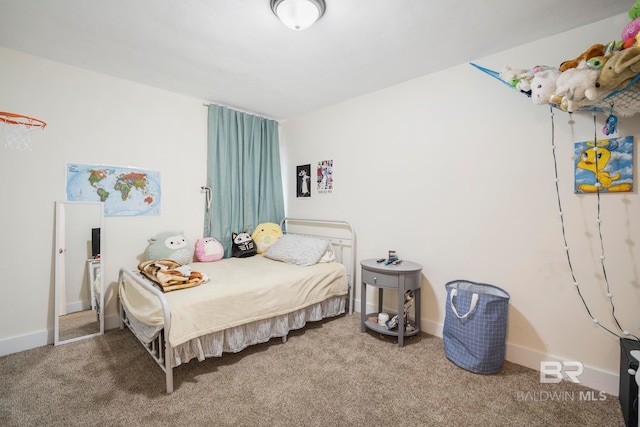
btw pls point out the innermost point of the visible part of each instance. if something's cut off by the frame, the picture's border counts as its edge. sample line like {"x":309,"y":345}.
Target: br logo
{"x":553,"y":372}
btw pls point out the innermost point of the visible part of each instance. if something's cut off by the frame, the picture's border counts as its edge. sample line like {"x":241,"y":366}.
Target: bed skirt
{"x":238,"y":338}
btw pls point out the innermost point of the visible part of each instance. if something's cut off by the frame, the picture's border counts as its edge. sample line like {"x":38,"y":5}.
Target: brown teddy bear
{"x":593,"y":51}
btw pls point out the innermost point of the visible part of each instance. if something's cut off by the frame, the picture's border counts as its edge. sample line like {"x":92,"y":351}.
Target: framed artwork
{"x":303,"y":180}
{"x":325,"y":176}
{"x":604,"y":165}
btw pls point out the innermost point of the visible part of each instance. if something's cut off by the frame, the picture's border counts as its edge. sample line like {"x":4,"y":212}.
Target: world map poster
{"x":125,"y":191}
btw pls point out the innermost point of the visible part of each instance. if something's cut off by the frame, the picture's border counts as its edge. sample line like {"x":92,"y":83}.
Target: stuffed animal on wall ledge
{"x":619,"y":70}
{"x":266,"y":235}
{"x":242,"y":246}
{"x":572,"y":85}
{"x":631,"y":30}
{"x":543,"y":86}
{"x":169,"y":245}
{"x":634,"y":12}
{"x":592,"y":52}
{"x":512,"y":76}
{"x":599,"y":78}
{"x":208,"y":249}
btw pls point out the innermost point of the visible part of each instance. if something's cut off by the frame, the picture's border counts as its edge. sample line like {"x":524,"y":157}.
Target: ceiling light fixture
{"x":298,"y":14}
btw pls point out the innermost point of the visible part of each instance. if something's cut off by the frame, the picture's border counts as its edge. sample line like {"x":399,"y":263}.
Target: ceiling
{"x":236,"y":52}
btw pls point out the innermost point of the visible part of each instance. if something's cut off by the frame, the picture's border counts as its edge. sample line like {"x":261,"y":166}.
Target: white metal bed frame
{"x":161,"y":350}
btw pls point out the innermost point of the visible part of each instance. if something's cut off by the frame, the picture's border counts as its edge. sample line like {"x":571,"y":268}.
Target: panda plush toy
{"x":242,"y":245}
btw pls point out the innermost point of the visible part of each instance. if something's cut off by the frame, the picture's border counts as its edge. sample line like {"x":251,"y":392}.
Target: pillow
{"x":329,"y":255}
{"x":209,"y":249}
{"x":242,"y":246}
{"x":169,"y":245}
{"x":298,"y":250}
{"x":266,"y":235}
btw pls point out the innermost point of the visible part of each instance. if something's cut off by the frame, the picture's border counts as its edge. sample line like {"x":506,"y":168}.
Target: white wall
{"x":455,"y":171}
{"x":91,"y":118}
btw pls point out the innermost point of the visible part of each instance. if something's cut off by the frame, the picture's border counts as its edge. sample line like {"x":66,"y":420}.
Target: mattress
{"x":239,"y":291}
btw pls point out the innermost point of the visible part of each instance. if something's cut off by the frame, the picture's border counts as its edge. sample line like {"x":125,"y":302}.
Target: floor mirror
{"x":79,"y":287}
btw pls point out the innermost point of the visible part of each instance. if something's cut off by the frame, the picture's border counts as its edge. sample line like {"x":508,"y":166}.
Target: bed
{"x":245,"y":301}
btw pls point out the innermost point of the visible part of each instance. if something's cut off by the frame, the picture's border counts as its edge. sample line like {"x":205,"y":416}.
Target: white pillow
{"x":329,"y":255}
{"x":298,"y":250}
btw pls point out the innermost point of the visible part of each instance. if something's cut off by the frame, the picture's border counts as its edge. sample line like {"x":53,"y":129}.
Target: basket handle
{"x":474,"y":301}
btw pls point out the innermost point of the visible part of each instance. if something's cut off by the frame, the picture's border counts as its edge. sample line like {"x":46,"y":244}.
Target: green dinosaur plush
{"x":634,"y":12}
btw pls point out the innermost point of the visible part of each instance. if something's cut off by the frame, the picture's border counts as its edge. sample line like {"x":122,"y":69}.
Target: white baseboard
{"x":25,"y":342}
{"x":42,"y":338}
{"x":591,"y":377}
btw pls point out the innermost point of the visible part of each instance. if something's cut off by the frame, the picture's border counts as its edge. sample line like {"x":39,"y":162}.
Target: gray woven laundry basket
{"x":475,"y":326}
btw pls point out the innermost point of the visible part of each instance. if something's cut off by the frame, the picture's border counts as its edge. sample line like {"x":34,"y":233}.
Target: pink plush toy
{"x":209,"y":249}
{"x":631,"y":29}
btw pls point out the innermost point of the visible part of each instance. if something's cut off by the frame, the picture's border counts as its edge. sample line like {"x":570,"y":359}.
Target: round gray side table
{"x":400,"y":278}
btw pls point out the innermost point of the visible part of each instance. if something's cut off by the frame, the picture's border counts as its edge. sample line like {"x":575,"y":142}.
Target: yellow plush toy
{"x":266,"y":235}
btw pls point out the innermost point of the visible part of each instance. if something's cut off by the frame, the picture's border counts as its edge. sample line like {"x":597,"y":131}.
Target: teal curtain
{"x":243,"y":172}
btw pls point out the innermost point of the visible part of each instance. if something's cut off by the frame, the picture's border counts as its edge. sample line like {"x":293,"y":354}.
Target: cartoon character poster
{"x":303,"y":180}
{"x":325,"y":177}
{"x":604,"y":166}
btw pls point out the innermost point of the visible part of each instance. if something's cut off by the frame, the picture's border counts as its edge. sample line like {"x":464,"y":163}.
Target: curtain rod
{"x":206,"y":104}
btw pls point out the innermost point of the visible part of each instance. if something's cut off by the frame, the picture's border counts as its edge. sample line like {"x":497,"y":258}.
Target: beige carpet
{"x":328,"y":374}
{"x":78,"y":324}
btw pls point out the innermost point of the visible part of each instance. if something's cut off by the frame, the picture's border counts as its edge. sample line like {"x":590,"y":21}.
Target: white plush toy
{"x":511,"y":75}
{"x":543,"y":86}
{"x":524,"y":85}
{"x":518,"y":78}
{"x":572,"y":86}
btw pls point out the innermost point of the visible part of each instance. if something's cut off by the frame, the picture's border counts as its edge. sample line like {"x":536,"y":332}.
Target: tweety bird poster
{"x":604,"y":165}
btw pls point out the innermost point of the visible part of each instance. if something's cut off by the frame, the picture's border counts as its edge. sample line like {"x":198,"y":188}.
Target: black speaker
{"x":628,"y":392}
{"x":95,"y":242}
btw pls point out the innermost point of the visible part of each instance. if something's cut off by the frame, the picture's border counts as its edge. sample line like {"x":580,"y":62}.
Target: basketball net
{"x":18,"y":130}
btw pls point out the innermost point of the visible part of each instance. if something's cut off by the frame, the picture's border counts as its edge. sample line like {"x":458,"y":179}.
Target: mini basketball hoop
{"x":18,"y":130}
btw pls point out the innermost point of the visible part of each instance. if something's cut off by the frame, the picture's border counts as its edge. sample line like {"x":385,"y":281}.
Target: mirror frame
{"x":59,"y":250}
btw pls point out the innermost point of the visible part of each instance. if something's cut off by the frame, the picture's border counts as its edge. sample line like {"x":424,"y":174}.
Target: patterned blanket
{"x":170,"y":275}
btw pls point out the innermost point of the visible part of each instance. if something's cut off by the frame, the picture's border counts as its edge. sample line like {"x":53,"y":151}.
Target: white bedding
{"x":96,"y":284}
{"x":240,"y":290}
